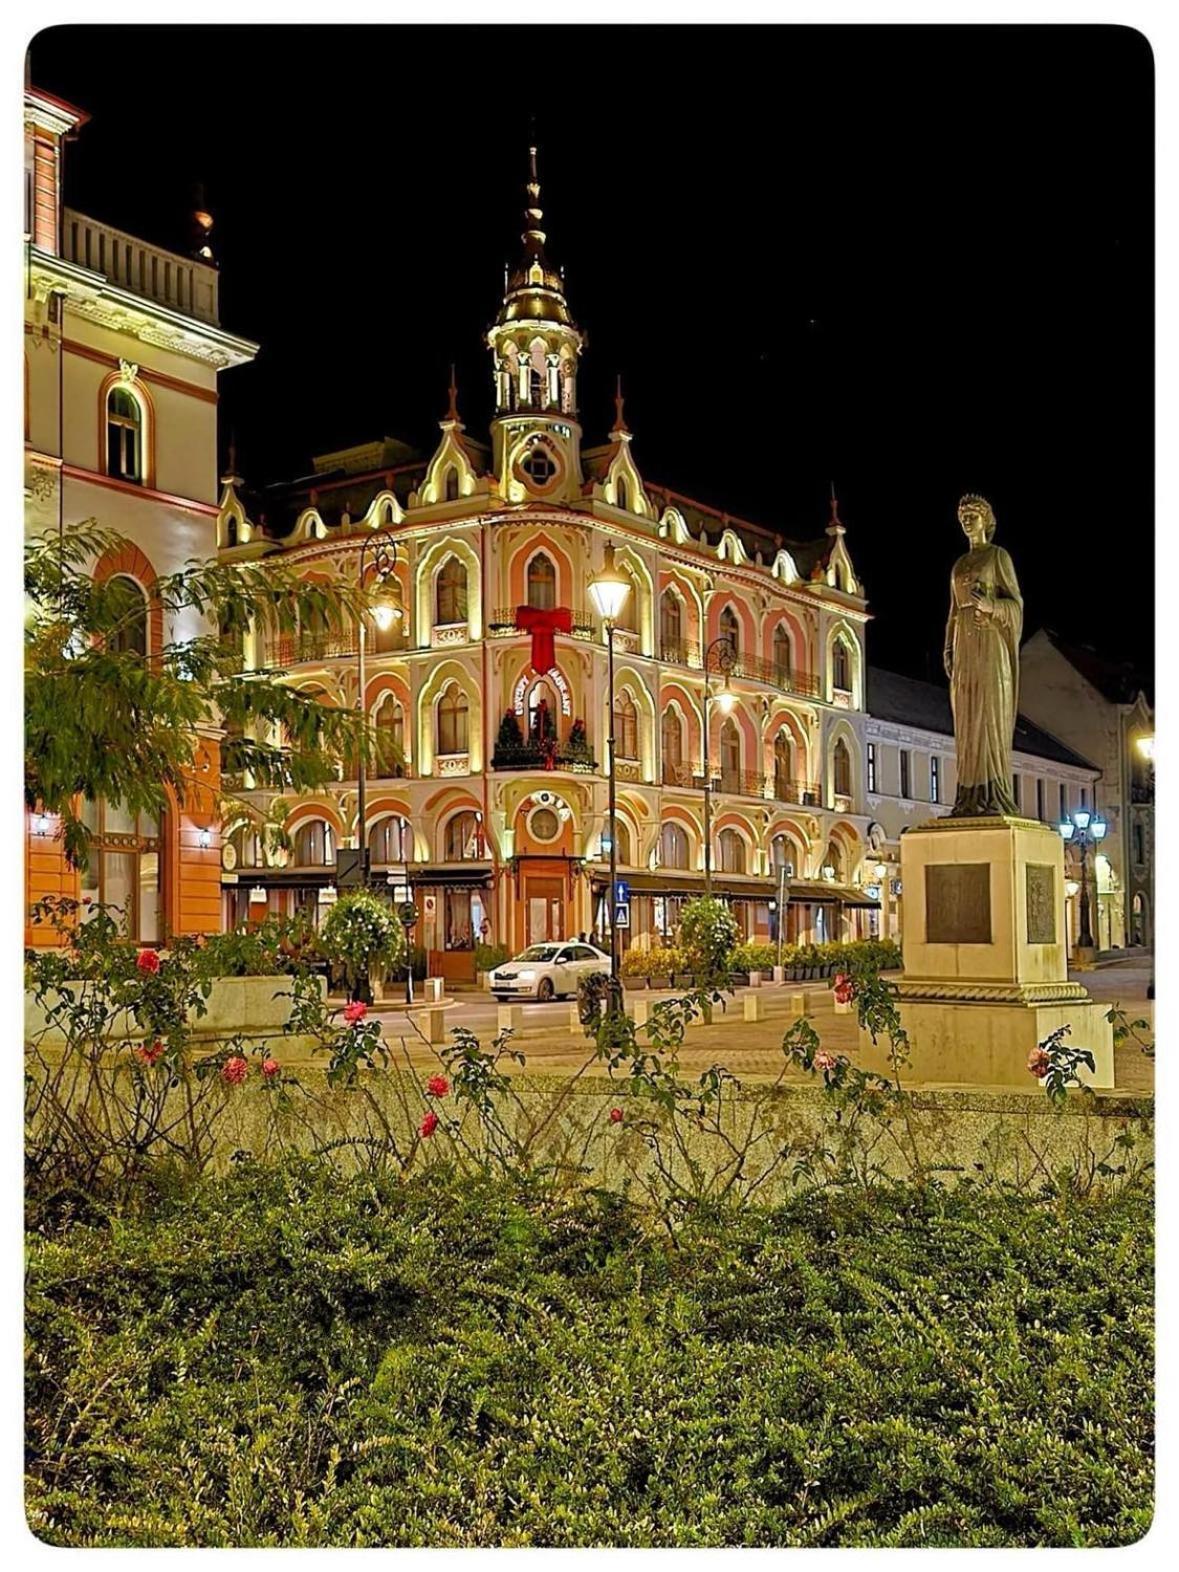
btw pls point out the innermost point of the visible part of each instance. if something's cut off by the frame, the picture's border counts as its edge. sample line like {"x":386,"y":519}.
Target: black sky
{"x":918,"y":261}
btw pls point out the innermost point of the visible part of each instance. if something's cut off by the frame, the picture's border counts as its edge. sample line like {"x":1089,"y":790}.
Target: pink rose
{"x":438,"y":1086}
{"x":616,"y":1116}
{"x":270,"y":1068}
{"x":148,"y":961}
{"x":824,"y":1062}
{"x":354,"y":1012}
{"x":429,"y":1124}
{"x":150,"y":1053}
{"x":1039,"y":1063}
{"x":235,"y":1070}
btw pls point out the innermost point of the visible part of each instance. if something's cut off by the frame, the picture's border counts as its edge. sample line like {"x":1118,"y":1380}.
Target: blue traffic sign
{"x":621,"y":891}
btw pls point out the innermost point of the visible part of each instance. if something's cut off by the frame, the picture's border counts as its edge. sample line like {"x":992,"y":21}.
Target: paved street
{"x":751,"y":1050}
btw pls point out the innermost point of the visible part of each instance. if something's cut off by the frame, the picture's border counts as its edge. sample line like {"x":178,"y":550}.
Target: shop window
{"x":673,"y":846}
{"x":463,"y":842}
{"x":841,"y":769}
{"x":315,"y":845}
{"x":626,"y":726}
{"x":124,"y":435}
{"x":464,"y":919}
{"x":123,"y":868}
{"x":451,"y":592}
{"x":542,"y":583}
{"x":453,"y":712}
{"x":127,"y":607}
{"x":730,"y":852}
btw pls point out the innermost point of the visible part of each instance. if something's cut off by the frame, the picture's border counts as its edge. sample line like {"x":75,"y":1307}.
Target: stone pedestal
{"x":986,"y":965}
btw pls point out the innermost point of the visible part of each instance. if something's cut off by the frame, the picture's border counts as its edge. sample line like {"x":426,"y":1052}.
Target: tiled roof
{"x":1117,"y":681}
{"x":907,"y":701}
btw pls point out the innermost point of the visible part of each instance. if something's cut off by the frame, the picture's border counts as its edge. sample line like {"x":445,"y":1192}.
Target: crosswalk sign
{"x":621,"y":914}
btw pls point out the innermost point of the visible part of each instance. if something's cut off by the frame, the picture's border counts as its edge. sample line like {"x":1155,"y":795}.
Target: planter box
{"x":663,"y":981}
{"x":256,"y":1007}
{"x":631,"y":984}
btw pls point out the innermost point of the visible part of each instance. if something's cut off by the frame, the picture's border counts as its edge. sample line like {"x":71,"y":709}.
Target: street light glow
{"x":609,"y":588}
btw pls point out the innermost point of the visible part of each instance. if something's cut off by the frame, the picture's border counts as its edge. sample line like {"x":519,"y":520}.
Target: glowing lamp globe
{"x":1066,"y":828}
{"x":725,"y":699}
{"x":385,"y":614}
{"x":1081,"y":818}
{"x":1097,"y":827}
{"x":609,"y":589}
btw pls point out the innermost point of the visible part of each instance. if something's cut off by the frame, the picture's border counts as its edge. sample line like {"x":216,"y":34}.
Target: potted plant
{"x":634,"y":968}
{"x":708,"y":938}
{"x":663,"y":965}
{"x":362,"y":935}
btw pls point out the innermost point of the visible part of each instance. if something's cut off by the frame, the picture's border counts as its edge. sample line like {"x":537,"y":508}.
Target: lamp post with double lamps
{"x":720,"y":656}
{"x":379,"y":550}
{"x":1086,"y":831}
{"x":609,"y":590}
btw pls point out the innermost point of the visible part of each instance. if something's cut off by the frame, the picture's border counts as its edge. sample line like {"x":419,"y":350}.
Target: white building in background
{"x":910,"y":777}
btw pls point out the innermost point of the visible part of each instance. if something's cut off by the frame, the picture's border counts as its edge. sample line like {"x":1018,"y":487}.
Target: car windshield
{"x":539,"y":952}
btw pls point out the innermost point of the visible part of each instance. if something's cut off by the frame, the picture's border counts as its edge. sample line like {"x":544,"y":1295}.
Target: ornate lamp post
{"x":720,"y":656}
{"x":1085,"y":830}
{"x":385,"y":612}
{"x":609,"y":590}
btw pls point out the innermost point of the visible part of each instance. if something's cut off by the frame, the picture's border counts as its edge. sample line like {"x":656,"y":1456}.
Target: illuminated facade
{"x":488,"y":695}
{"x":122,"y":353}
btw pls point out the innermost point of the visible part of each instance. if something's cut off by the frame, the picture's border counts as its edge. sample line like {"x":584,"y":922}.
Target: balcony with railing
{"x":531,"y":754}
{"x":181,"y":283}
{"x":503,"y":621}
{"x":686,"y":652}
{"x":296,"y":649}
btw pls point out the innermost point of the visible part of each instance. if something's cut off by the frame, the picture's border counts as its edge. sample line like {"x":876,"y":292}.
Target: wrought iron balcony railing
{"x":540,"y":756}
{"x":504,"y":618}
{"x":686,"y":652}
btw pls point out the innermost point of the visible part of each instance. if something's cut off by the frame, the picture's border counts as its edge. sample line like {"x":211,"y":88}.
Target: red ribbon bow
{"x":543,"y":625}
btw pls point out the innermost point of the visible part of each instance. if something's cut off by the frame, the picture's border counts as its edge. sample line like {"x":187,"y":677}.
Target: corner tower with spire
{"x":535,"y":345}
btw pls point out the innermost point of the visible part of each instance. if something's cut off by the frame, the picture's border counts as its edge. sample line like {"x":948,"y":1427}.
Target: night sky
{"x":915,"y":261}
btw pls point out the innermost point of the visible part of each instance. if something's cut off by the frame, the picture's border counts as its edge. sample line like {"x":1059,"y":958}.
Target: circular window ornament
{"x":544,"y":825}
{"x":538,"y":466}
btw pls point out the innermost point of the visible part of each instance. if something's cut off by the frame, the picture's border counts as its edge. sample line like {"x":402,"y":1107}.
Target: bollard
{"x":433,"y":990}
{"x":843,"y":1008}
{"x":640,"y":1011}
{"x":755,"y":979}
{"x":575,"y":1018}
{"x":779,"y":974}
{"x":435,"y":1025}
{"x":753,"y":1007}
{"x":798,"y":1004}
{"x":509,"y":1017}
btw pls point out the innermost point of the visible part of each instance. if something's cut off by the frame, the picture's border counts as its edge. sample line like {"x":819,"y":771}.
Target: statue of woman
{"x":982,"y":663}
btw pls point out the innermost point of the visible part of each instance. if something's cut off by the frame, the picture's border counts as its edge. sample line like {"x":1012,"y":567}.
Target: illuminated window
{"x":671,"y":626}
{"x":730,"y":849}
{"x":451,"y":597}
{"x":871,"y":766}
{"x":730,"y":628}
{"x":627,"y":618}
{"x":781,"y":655}
{"x":453,"y":712}
{"x":462,"y":843}
{"x":388,"y":740}
{"x":123,"y":868}
{"x":124,"y":435}
{"x":626,"y":726}
{"x":127,"y":608}
{"x":730,"y":753}
{"x":386,"y":843}
{"x":841,"y":667}
{"x":542,"y":583}
{"x":671,"y":734}
{"x":841,"y":769}
{"x":315,"y":845}
{"x":935,"y":778}
{"x":783,"y":766}
{"x":673,"y":846}
{"x":622,"y":839}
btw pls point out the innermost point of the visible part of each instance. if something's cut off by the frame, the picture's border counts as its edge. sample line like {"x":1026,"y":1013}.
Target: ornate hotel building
{"x":122,"y":352}
{"x":488,"y":695}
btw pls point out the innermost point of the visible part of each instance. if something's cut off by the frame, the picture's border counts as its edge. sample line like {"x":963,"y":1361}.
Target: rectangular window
{"x":1063,"y":801}
{"x":935,"y":778}
{"x":1015,"y":790}
{"x":905,"y":762}
{"x":1084,"y":796}
{"x":871,"y":766}
{"x":1040,"y":798}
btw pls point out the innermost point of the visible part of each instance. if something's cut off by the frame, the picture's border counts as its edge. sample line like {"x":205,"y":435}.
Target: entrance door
{"x":544,"y":903}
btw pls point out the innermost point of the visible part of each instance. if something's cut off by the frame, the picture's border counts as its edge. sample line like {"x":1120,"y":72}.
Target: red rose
{"x":438,"y":1086}
{"x":616,"y":1116}
{"x":429,"y":1124}
{"x":354,"y":1012}
{"x":1039,"y":1063}
{"x":148,"y":961}
{"x":150,"y":1052}
{"x":235,"y":1070}
{"x":270,"y":1068}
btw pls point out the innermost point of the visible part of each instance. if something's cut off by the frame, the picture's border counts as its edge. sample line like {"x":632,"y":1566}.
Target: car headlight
{"x":526,"y":976}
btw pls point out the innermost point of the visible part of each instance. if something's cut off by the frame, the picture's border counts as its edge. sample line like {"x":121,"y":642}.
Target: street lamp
{"x":1084,"y":830}
{"x":720,"y":656}
{"x":609,"y":590}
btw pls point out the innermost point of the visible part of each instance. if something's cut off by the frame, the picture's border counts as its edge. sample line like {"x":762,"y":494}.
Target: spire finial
{"x":835,"y":525}
{"x":452,"y":412}
{"x":619,"y":420}
{"x":533,"y":236}
{"x":231,"y":476}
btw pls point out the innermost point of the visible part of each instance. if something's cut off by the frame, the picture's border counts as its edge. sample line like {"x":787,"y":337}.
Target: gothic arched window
{"x":451,"y":592}
{"x":781,"y":655}
{"x":841,"y":666}
{"x":389,"y":740}
{"x":462,"y":838}
{"x":626,"y":726}
{"x":622,"y":840}
{"x":453,"y":712}
{"x":783,"y":766}
{"x":730,"y":628}
{"x":542,"y":583}
{"x":628,"y":617}
{"x":730,"y":852}
{"x":671,"y":626}
{"x":730,"y":752}
{"x":315,"y":844}
{"x":386,"y":843}
{"x":451,"y":488}
{"x":671,"y":733}
{"x":621,"y":493}
{"x":841,"y":771}
{"x":673,"y":846}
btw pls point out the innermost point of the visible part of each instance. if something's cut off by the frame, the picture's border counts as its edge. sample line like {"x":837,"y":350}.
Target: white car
{"x":547,"y":971}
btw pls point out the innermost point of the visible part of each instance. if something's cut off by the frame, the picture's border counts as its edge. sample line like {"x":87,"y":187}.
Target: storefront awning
{"x":824,"y":892}
{"x":682,"y":883}
{"x":457,"y":875}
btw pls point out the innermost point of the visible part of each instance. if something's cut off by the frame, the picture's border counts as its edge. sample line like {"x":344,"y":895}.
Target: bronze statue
{"x":982,"y":663}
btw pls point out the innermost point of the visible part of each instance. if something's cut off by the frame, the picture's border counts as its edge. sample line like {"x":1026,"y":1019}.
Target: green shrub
{"x":361,"y":933}
{"x":489,"y":956}
{"x":283,"y":1358}
{"x":708,"y":936}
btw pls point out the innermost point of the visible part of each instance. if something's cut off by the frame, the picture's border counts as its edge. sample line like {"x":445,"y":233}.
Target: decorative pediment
{"x":383,"y":511}
{"x":233,"y":526}
{"x":840,"y":574}
{"x":784,"y":568}
{"x":309,"y":526}
{"x":450,"y":476}
{"x":731,"y":548}
{"x":622,"y":485}
{"x":672,"y":527}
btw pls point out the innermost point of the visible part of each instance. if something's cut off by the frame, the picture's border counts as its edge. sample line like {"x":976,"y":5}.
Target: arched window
{"x":388,"y":740}
{"x":671,"y":736}
{"x":626,"y":726}
{"x":833,"y":859}
{"x":451,"y":486}
{"x":730,"y":751}
{"x":622,"y":837}
{"x":315,"y":845}
{"x":542,"y":713}
{"x":671,"y":626}
{"x":782,"y":656}
{"x":730,"y":628}
{"x":621,"y":494}
{"x":673,"y":846}
{"x":386,"y":843}
{"x":231,"y":530}
{"x":782,"y":852}
{"x":783,"y":766}
{"x":535,"y":388}
{"x":453,"y":711}
{"x":247,"y":845}
{"x":127,"y":606}
{"x":542,"y":583}
{"x":451,"y":592}
{"x":841,"y":771}
{"x":124,"y":435}
{"x":628,"y":617}
{"x":841,"y":666}
{"x":462,"y":841}
{"x":730,"y":850}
